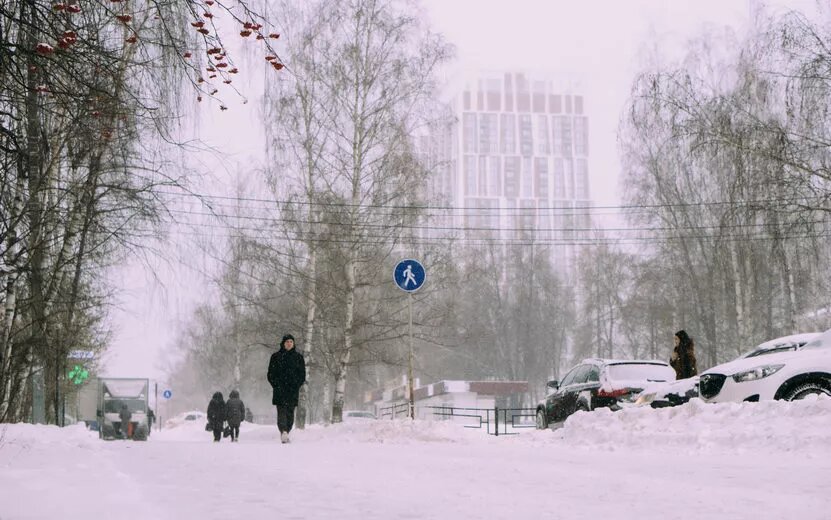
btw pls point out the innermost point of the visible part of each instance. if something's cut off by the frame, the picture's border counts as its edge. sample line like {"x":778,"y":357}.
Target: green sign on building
{"x":78,"y":374}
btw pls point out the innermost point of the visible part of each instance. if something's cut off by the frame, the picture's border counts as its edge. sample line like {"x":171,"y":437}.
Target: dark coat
{"x":216,"y":411}
{"x":683,"y":358}
{"x":286,"y":374}
{"x":125,"y":415}
{"x":234,"y":410}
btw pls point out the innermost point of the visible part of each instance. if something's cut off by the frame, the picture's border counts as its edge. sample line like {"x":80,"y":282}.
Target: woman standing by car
{"x":683,"y":356}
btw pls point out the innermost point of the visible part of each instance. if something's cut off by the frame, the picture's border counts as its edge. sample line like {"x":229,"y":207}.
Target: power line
{"x":623,"y":207}
{"x":385,"y":240}
{"x":425,"y":227}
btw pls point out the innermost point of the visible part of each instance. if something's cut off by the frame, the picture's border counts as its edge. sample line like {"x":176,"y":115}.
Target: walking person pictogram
{"x":409,"y":277}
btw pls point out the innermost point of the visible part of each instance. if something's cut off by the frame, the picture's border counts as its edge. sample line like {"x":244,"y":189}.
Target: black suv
{"x":596,"y":383}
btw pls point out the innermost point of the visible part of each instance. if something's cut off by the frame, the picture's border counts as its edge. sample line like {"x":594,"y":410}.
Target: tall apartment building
{"x":516,"y":161}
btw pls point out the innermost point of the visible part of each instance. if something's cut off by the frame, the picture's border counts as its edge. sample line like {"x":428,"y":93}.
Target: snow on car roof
{"x":625,"y":361}
{"x":804,"y":337}
{"x":823,"y":339}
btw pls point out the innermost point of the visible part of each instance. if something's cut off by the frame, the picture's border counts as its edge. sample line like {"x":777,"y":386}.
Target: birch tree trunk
{"x":308,"y":339}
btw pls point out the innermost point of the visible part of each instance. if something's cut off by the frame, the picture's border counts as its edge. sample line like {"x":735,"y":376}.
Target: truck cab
{"x":114,"y":394}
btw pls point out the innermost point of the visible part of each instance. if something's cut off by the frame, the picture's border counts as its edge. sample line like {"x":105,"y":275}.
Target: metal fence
{"x":494,"y":421}
{"x":401,"y":410}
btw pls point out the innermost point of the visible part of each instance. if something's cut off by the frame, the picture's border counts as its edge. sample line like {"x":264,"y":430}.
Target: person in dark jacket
{"x":286,"y":374}
{"x":683,"y":356}
{"x":234,"y":414}
{"x":125,"y":415}
{"x":216,"y":415}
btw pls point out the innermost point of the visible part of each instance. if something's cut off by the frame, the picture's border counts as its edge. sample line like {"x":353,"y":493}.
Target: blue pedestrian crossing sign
{"x":409,"y":275}
{"x":167,"y":394}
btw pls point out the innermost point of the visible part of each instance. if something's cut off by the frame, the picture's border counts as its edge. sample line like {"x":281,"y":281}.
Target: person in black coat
{"x":216,"y":415}
{"x":286,"y":374}
{"x":234,"y":414}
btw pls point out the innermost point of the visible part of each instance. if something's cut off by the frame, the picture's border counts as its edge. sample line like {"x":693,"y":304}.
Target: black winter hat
{"x":286,"y":338}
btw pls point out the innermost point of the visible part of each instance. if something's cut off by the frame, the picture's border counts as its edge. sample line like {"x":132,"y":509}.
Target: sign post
{"x":409,"y":276}
{"x":167,"y":394}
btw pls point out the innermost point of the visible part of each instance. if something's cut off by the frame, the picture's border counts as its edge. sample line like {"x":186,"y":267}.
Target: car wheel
{"x":805,"y":389}
{"x":582,"y":406}
{"x":542,"y":423}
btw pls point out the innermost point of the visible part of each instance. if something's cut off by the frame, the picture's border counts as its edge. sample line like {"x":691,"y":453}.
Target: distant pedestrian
{"x":216,"y":415}
{"x":286,"y":374}
{"x":683,"y":356}
{"x":234,"y":414}
{"x":125,"y":415}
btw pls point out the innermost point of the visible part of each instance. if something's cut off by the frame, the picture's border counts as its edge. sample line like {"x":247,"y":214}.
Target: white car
{"x":788,"y":375}
{"x":357,"y":416}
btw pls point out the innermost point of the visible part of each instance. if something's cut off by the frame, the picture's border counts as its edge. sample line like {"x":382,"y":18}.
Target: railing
{"x":496,"y":421}
{"x":492,"y":418}
{"x":392,"y":412}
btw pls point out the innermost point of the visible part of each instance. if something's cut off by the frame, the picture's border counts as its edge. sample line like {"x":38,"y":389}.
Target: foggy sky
{"x":597,"y":45}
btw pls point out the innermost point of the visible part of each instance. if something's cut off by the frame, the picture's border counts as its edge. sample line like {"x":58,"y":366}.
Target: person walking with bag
{"x":286,"y":374}
{"x":216,"y":415}
{"x":234,"y":414}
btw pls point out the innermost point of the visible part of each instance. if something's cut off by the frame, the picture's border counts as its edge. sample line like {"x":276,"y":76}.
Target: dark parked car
{"x":597,"y":383}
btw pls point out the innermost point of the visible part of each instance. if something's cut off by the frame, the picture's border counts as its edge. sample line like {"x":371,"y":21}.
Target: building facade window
{"x":509,"y":93}
{"x":568,"y":169}
{"x":526,"y":136}
{"x":469,"y":132}
{"x":527,"y":178}
{"x":565,"y":130}
{"x":543,"y":141}
{"x":581,"y":179}
{"x":578,"y":104}
{"x":508,"y":132}
{"x":488,"y":134}
{"x":581,"y":136}
{"x":559,"y":179}
{"x":495,"y":177}
{"x":470,"y":175}
{"x":493,"y":95}
{"x":482,"y":176}
{"x":512,"y":177}
{"x":555,"y":104}
{"x":523,"y":96}
{"x":541,"y":177}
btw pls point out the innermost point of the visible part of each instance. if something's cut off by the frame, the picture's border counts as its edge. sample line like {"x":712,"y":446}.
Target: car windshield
{"x":114,"y":405}
{"x":641,"y":372}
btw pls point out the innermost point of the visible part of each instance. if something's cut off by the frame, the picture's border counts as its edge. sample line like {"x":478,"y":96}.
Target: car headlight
{"x":644,"y":399}
{"x":756,"y":373}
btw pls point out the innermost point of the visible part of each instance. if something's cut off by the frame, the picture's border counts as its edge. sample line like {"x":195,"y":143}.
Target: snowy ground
{"x":750,"y":461}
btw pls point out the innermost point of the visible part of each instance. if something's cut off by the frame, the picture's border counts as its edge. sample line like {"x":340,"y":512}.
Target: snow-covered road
{"x":426,"y":470}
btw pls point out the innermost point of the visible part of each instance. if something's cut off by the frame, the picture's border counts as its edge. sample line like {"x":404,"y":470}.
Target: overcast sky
{"x":597,"y":45}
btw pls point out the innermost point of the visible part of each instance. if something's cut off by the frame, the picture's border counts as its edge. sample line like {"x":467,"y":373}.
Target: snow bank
{"x":39,"y":440}
{"x":27,"y":436}
{"x":773,"y":426}
{"x":697,"y":426}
